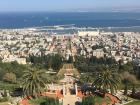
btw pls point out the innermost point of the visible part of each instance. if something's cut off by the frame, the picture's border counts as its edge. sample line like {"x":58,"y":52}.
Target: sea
{"x":108,"y":20}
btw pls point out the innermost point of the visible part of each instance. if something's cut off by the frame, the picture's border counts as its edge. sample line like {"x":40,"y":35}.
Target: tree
{"x":33,"y":82}
{"x":70,"y":60}
{"x":47,"y":61}
{"x":125,"y":78}
{"x":86,"y":78}
{"x":56,"y":62}
{"x":10,"y":77}
{"x":107,"y":79}
{"x":81,"y":63}
{"x":129,"y":78}
{"x":138,"y":74}
{"x":127,"y":67}
{"x":133,"y":81}
{"x":90,"y":100}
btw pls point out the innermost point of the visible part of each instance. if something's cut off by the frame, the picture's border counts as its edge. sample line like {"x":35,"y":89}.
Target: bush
{"x":88,"y":101}
{"x":93,"y":100}
{"x":4,"y":99}
{"x":8,"y":86}
{"x":10,"y":77}
{"x":45,"y":101}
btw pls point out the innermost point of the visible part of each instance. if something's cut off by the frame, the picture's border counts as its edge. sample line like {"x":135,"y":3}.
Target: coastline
{"x":72,"y":29}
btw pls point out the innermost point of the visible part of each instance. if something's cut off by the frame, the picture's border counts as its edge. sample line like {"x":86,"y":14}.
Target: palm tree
{"x":128,"y":78}
{"x":107,"y":79}
{"x":134,"y":82}
{"x":86,"y":78}
{"x":125,"y":79}
{"x":33,"y":82}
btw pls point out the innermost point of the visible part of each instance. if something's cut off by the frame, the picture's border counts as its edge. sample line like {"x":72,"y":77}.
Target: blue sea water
{"x":80,"y":19}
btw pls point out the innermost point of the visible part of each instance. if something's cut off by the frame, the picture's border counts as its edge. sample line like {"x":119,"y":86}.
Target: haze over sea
{"x":80,"y":19}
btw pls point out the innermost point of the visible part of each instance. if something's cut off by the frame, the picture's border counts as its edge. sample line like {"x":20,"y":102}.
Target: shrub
{"x":45,"y":101}
{"x":10,"y":77}
{"x":88,"y":101}
{"x":4,"y":99}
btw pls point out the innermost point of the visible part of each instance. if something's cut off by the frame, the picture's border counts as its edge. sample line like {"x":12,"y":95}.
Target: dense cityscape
{"x":18,"y":45}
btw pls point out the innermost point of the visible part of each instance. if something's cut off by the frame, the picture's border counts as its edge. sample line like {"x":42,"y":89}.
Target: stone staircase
{"x":70,"y":99}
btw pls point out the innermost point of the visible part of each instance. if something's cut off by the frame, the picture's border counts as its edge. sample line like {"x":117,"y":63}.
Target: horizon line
{"x":78,"y":11}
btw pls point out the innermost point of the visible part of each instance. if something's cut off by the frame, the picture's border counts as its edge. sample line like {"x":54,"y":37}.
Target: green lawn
{"x":134,"y":103}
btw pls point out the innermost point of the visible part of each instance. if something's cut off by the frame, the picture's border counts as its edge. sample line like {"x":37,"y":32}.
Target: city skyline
{"x":64,"y":5}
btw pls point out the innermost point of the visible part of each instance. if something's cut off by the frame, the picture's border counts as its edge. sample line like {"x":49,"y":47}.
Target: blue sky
{"x":67,"y":5}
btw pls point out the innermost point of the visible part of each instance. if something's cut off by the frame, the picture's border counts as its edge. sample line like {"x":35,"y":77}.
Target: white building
{"x":98,"y":53}
{"x":88,"y":33}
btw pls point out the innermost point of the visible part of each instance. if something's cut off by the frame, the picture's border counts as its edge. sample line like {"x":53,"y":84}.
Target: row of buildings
{"x":17,"y":45}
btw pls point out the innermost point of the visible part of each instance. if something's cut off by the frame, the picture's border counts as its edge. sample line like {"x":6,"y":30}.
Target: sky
{"x":68,"y":5}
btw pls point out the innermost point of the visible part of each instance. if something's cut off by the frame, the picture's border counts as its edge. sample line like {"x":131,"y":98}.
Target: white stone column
{"x":76,"y":90}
